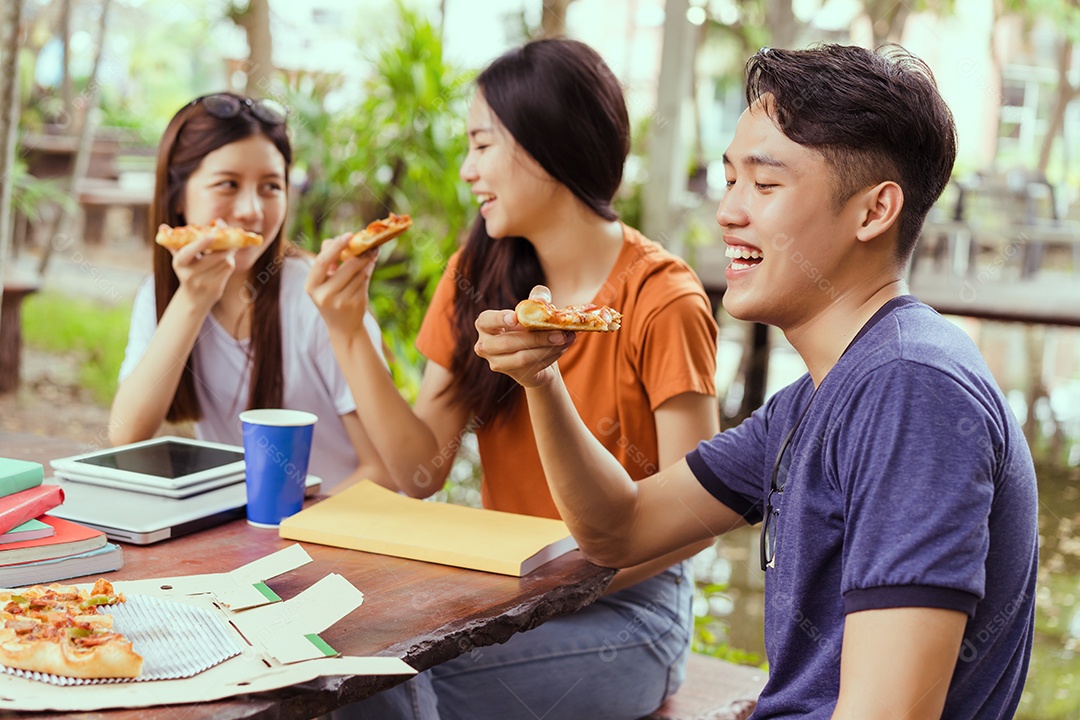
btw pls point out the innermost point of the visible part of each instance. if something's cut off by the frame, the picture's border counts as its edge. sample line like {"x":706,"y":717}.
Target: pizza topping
{"x":375,"y":234}
{"x":536,"y":314}
{"x":60,"y":630}
{"x":21,"y":626}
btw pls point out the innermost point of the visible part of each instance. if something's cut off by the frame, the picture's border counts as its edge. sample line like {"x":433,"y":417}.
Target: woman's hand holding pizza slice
{"x":339,"y":288}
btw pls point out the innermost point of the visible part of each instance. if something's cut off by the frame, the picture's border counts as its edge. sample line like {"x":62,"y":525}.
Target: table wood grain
{"x":424,"y":613}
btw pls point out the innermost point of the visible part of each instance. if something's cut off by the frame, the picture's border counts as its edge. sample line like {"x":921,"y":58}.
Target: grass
{"x":95,"y":333}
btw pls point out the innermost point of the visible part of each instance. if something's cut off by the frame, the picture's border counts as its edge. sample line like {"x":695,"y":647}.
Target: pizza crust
{"x":225,"y":236}
{"x":535,"y":314}
{"x":111,"y":659}
{"x":375,"y":234}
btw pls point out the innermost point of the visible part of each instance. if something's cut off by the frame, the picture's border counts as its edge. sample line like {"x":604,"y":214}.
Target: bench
{"x":97,"y":197}
{"x":11,"y":332}
{"x":714,"y":689}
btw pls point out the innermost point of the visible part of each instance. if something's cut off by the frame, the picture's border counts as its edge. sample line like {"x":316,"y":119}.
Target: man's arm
{"x":896,"y":664}
{"x":616,"y":521}
{"x":681,"y":422}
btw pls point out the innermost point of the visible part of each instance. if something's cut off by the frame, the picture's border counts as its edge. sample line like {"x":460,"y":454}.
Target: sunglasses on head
{"x":225,"y":107}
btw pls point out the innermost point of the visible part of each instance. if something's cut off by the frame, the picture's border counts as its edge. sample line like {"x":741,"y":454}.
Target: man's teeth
{"x":484,"y":197}
{"x":743,"y":253}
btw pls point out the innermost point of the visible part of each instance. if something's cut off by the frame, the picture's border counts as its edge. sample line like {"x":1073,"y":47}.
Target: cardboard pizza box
{"x":277,"y":640}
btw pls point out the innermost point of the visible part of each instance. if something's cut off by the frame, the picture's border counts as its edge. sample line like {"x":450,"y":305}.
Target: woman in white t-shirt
{"x":216,"y":333}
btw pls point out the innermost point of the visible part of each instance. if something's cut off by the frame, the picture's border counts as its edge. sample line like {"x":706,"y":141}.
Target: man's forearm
{"x":593,"y":492}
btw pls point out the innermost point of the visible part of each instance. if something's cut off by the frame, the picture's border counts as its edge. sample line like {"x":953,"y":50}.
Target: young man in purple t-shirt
{"x":896,"y":492}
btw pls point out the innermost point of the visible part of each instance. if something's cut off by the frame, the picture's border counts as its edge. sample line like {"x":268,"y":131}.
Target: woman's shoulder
{"x":296,"y":305}
{"x":648,"y":264}
{"x":145,"y":291}
{"x":294,"y":270}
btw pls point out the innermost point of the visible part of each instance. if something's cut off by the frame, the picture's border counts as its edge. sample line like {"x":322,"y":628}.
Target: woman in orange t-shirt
{"x":548,"y":136}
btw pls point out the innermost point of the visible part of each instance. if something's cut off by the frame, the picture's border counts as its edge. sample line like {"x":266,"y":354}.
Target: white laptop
{"x":141,"y":518}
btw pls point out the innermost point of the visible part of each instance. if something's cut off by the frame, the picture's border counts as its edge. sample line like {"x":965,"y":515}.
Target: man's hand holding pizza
{"x":528,"y":356}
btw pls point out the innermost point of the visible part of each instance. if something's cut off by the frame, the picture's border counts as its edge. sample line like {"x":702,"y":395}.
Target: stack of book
{"x":36,"y":547}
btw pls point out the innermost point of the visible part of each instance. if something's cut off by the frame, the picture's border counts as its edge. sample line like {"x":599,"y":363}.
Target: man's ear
{"x":880,"y":208}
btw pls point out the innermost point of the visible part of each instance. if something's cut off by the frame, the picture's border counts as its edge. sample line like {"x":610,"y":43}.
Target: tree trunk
{"x":666,"y":182}
{"x":698,"y":144}
{"x":780,"y":20}
{"x":64,"y":227}
{"x":1034,"y":344}
{"x":255,"y":20}
{"x":9,"y":114}
{"x":887,"y":20}
{"x":1066,"y":93}
{"x":553,"y":19}
{"x":66,"y":92}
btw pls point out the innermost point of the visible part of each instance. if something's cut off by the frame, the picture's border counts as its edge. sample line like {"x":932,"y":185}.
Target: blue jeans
{"x":617,"y":659}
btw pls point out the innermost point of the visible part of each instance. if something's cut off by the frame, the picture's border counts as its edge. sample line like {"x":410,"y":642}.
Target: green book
{"x":18,"y":475}
{"x":29,"y":530}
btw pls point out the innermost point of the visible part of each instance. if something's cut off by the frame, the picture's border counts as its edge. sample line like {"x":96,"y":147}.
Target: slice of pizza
{"x":542,"y":315}
{"x":226,"y":237}
{"x":60,"y":630}
{"x":375,"y":234}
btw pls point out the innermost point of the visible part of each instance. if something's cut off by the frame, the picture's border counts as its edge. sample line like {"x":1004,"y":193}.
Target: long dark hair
{"x":875,"y":116}
{"x":563,"y":106}
{"x":192,"y":134}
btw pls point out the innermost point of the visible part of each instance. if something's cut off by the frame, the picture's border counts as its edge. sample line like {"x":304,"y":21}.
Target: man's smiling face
{"x":785,"y":236}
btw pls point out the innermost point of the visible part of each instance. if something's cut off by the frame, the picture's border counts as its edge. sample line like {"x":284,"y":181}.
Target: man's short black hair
{"x":875,"y":116}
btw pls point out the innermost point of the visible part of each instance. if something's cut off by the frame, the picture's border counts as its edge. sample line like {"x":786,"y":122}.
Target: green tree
{"x":398,"y":149}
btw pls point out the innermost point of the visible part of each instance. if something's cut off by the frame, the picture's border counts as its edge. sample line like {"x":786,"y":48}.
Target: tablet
{"x":169,"y":463}
{"x":180,"y":492}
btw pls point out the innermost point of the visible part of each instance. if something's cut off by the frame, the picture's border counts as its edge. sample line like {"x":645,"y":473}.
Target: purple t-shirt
{"x":909,"y":484}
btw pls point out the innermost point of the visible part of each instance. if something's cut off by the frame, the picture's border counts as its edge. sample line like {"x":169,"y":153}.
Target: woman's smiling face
{"x":513,"y":190}
{"x":243,"y":183}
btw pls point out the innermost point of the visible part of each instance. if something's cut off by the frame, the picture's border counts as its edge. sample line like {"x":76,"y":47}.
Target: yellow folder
{"x":371,"y":518}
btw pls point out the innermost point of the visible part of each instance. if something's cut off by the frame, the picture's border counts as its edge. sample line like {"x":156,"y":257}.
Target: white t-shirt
{"x":312,"y":379}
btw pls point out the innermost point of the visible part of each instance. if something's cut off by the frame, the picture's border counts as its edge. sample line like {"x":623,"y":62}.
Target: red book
{"x":70,"y":539}
{"x":17,"y":508}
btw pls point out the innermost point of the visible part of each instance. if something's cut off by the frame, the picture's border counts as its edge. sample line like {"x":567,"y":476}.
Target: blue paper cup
{"x":277,"y":446}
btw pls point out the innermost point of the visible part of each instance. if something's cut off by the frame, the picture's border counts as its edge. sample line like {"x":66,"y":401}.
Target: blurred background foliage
{"x":398,"y":150}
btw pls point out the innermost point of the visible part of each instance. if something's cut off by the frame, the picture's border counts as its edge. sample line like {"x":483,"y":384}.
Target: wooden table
{"x":424,"y":613}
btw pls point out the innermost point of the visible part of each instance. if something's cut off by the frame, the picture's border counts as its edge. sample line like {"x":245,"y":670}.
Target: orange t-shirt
{"x":666,"y":347}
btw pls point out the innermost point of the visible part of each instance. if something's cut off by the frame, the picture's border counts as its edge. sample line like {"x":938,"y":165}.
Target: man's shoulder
{"x":915,"y":333}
